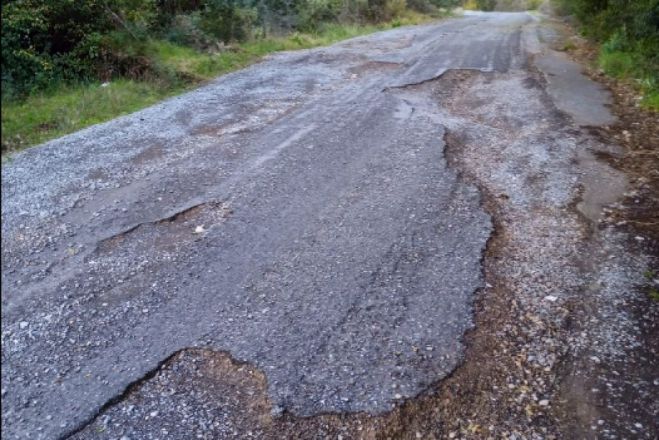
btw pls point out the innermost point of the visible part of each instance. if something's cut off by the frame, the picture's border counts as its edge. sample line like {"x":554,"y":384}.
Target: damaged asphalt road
{"x":307,"y":237}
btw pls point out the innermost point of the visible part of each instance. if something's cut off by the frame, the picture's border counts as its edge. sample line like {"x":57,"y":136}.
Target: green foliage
{"x":517,"y":5}
{"x":653,"y":294}
{"x":46,"y":41}
{"x":313,"y":13}
{"x":533,"y":4}
{"x":629,"y":33}
{"x":432,"y":6}
{"x":45,"y":115}
{"x":617,"y":64}
{"x":486,"y":5}
{"x":226,"y":20}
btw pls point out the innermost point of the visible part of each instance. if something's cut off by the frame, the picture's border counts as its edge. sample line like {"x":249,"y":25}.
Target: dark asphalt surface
{"x":298,"y":214}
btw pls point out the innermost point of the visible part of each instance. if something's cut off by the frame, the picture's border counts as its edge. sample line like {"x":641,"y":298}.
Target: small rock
{"x":154,"y":414}
{"x":543,"y":402}
{"x":199,"y":229}
{"x":23,"y":324}
{"x":550,"y":298}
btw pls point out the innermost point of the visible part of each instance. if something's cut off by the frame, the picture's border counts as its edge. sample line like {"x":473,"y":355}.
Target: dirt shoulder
{"x":637,"y":131}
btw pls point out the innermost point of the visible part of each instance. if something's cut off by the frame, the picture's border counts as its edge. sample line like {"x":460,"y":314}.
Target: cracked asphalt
{"x":301,"y":217}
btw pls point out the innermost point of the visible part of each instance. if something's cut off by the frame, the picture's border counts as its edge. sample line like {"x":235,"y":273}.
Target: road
{"x":305,"y":216}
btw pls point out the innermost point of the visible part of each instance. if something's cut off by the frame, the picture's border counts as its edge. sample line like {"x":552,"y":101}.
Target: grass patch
{"x":653,"y":294}
{"x":48,"y":115}
{"x":616,"y":64}
{"x":68,"y":108}
{"x":651,"y":99}
{"x":629,"y":66}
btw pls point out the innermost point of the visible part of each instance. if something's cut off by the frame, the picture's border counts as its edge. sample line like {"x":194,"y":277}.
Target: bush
{"x":395,"y":8}
{"x":313,"y":13}
{"x":226,"y":21}
{"x":517,"y":5}
{"x":423,"y":6}
{"x":624,"y":26}
{"x":185,"y":30}
{"x":486,"y":5}
{"x":46,"y":41}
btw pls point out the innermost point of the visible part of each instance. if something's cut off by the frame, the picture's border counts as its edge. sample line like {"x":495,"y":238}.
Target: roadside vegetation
{"x":67,"y":65}
{"x":628,"y":33}
{"x":502,"y":5}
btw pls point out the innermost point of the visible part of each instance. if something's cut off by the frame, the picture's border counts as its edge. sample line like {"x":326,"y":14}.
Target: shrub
{"x":313,"y":13}
{"x":227,"y":21}
{"x":185,"y":30}
{"x":395,"y":8}
{"x":45,"y":41}
{"x":423,"y":6}
{"x":486,"y":5}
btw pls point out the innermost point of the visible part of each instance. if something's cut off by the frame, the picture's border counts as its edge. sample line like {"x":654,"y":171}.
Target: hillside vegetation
{"x":68,"y":64}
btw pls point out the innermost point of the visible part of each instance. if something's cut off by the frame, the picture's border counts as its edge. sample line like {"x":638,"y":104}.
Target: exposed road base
{"x":554,"y":327}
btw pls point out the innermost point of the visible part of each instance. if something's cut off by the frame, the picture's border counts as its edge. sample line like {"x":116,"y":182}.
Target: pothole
{"x":169,"y":232}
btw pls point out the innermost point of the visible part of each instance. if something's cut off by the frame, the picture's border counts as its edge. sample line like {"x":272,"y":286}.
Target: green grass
{"x":617,"y":64}
{"x":65,"y":109}
{"x":45,"y":116}
{"x":653,"y":294}
{"x":651,"y":99}
{"x":626,"y":65}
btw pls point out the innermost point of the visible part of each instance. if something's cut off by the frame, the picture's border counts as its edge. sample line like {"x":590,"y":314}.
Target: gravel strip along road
{"x":295,"y":251}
